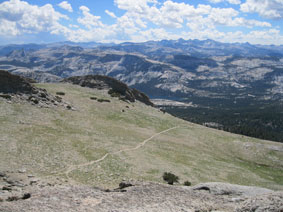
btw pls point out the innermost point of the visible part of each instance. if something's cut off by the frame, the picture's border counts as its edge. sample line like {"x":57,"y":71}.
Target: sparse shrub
{"x":103,"y":100}
{"x":123,"y":99}
{"x":60,"y":93}
{"x":187,"y":183}
{"x":113,"y":93}
{"x":170,"y":178}
{"x":93,"y":98}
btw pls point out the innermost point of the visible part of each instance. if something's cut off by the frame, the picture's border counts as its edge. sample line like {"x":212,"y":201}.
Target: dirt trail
{"x":74,"y":167}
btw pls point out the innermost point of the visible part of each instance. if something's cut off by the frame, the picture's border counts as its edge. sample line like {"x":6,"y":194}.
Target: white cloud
{"x":267,"y":8}
{"x":89,"y":20}
{"x":74,"y":26}
{"x":18,"y":17}
{"x":178,"y":15}
{"x":8,"y":28}
{"x":66,"y":6}
{"x":142,"y":20}
{"x":229,"y":17}
{"x":154,"y":34}
{"x":135,"y":6}
{"x":249,"y":23}
{"x":94,"y":34}
{"x":229,"y":1}
{"x":111,"y":14}
{"x":201,"y":21}
{"x":267,"y":37}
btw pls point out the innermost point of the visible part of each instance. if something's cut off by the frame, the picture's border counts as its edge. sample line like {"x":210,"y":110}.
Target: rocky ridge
{"x":115,"y":87}
{"x":15,"y":88}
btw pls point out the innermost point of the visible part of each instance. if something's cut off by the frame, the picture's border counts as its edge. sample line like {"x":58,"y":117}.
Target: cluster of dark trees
{"x":259,"y":120}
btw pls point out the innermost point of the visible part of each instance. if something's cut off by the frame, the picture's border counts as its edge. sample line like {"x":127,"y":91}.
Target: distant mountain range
{"x":162,"y":69}
{"x":210,"y":75}
{"x":197,"y":48}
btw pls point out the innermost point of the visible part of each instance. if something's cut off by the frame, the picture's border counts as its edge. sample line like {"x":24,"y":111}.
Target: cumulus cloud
{"x":95,"y":34}
{"x":111,"y":14}
{"x":19,"y":17}
{"x":267,"y":8}
{"x":89,"y":20}
{"x":135,"y":6}
{"x":143,"y":20}
{"x":229,"y":1}
{"x":66,"y":6}
{"x":268,"y":37}
{"x":194,"y":21}
{"x":8,"y":28}
{"x":154,"y":34}
{"x":178,"y":15}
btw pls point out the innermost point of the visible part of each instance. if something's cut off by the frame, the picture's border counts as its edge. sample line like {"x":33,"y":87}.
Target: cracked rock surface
{"x":27,"y":194}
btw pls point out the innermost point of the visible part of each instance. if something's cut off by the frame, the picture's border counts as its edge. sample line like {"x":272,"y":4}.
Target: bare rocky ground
{"x":20,"y":191}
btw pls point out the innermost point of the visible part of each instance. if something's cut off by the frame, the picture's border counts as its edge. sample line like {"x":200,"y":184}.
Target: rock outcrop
{"x":115,"y":87}
{"x":21,"y":193}
{"x":17,"y":89}
{"x":14,"y":84}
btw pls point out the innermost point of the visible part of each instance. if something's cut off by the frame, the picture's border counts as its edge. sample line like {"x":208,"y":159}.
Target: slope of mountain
{"x":236,"y":86}
{"x":53,"y":158}
{"x":101,"y":143}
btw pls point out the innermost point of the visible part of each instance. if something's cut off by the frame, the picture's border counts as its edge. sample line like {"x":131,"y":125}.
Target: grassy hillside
{"x":55,"y":142}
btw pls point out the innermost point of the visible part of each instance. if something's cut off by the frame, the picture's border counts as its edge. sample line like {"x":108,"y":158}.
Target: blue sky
{"x":44,"y":21}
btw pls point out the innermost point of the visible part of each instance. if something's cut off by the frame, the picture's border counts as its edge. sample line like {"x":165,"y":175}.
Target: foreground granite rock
{"x":139,"y":197}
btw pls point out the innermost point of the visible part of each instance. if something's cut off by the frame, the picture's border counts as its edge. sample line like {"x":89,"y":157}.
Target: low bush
{"x":170,"y":178}
{"x":60,"y":93}
{"x":103,"y":100}
{"x":113,"y":93}
{"x":187,"y":183}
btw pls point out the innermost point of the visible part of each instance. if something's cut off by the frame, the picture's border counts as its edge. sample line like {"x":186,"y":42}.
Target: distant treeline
{"x":262,"y":120}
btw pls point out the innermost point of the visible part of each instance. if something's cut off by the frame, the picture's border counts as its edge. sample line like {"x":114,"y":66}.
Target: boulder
{"x":11,"y":84}
{"x":231,"y":189}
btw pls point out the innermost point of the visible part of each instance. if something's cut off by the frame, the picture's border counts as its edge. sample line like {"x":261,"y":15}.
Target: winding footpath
{"x":74,"y":167}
